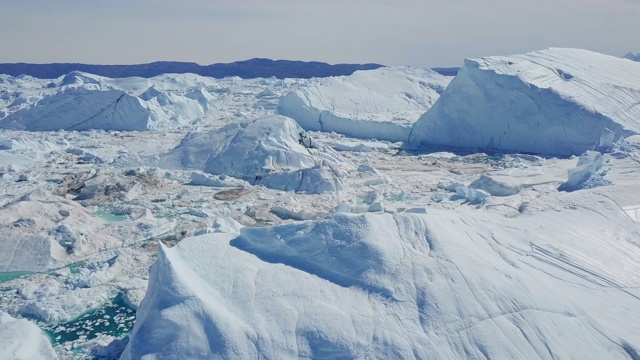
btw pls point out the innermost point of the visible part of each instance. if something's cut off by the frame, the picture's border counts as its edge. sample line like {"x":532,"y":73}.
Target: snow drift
{"x":439,"y":285}
{"x":381,"y":103}
{"x":554,"y":101}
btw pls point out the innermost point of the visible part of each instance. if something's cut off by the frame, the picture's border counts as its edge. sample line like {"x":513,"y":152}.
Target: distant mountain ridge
{"x":247,"y":69}
{"x":632,"y":56}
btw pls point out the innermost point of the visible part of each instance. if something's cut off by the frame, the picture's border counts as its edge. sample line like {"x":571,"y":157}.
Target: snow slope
{"x":381,"y":103}
{"x":441,"y":285}
{"x":23,"y":340}
{"x":555,"y":101}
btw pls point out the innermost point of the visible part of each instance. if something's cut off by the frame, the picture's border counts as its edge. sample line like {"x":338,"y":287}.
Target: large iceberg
{"x":381,"y":104}
{"x":555,"y":101}
{"x":80,"y":101}
{"x":79,"y":108}
{"x":273,"y":151}
{"x":440,"y":285}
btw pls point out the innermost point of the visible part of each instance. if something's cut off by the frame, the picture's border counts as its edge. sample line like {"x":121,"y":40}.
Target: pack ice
{"x":440,"y":285}
{"x":555,"y":101}
{"x":382,"y":103}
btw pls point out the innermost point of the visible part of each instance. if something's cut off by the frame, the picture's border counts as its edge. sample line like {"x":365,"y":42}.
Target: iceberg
{"x":555,"y":102}
{"x":22,"y":340}
{"x":80,"y":101}
{"x":81,"y":109}
{"x":439,"y":285}
{"x":273,"y":151}
{"x":381,"y":104}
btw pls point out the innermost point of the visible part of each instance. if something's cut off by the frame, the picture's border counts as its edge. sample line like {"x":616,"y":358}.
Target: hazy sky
{"x":392,"y":32}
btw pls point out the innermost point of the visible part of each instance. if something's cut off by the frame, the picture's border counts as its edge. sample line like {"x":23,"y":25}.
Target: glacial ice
{"x":587,"y":173}
{"x":273,"y":151}
{"x":22,"y":340}
{"x":381,"y":104}
{"x":555,"y":101}
{"x":81,"y":101}
{"x":439,"y":285}
{"x":81,"y":109}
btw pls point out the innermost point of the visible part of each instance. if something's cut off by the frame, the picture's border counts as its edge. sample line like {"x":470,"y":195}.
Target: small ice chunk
{"x":589,"y":164}
{"x":342,"y":208}
{"x":376,"y":207}
{"x":473,"y":196}
{"x":606,"y":139}
{"x":417,"y":210}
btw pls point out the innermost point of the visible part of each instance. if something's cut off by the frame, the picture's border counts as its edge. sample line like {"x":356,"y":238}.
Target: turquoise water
{"x":7,"y":276}
{"x":11,"y":275}
{"x":113,"y":318}
{"x":166,"y":214}
{"x":106,"y":215}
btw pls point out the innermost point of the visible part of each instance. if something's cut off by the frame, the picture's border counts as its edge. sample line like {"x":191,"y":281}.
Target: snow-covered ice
{"x":23,"y":340}
{"x":441,"y":285}
{"x":273,"y":151}
{"x":382,"y":103}
{"x":555,"y":101}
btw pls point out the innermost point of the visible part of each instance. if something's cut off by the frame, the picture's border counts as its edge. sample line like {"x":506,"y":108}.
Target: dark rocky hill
{"x":247,"y":69}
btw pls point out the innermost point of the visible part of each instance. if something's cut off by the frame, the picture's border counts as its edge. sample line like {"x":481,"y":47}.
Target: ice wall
{"x":554,"y":101}
{"x":381,"y":103}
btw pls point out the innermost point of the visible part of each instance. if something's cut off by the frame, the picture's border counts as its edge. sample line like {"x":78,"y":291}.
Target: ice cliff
{"x":439,"y":285}
{"x":555,"y":101}
{"x":381,"y":103}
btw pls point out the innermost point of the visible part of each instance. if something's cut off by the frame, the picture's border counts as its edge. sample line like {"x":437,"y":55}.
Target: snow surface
{"x":23,"y":340}
{"x":382,"y":103}
{"x":555,"y":101}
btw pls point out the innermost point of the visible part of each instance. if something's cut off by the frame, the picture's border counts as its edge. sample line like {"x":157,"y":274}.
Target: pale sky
{"x":423,"y":33}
